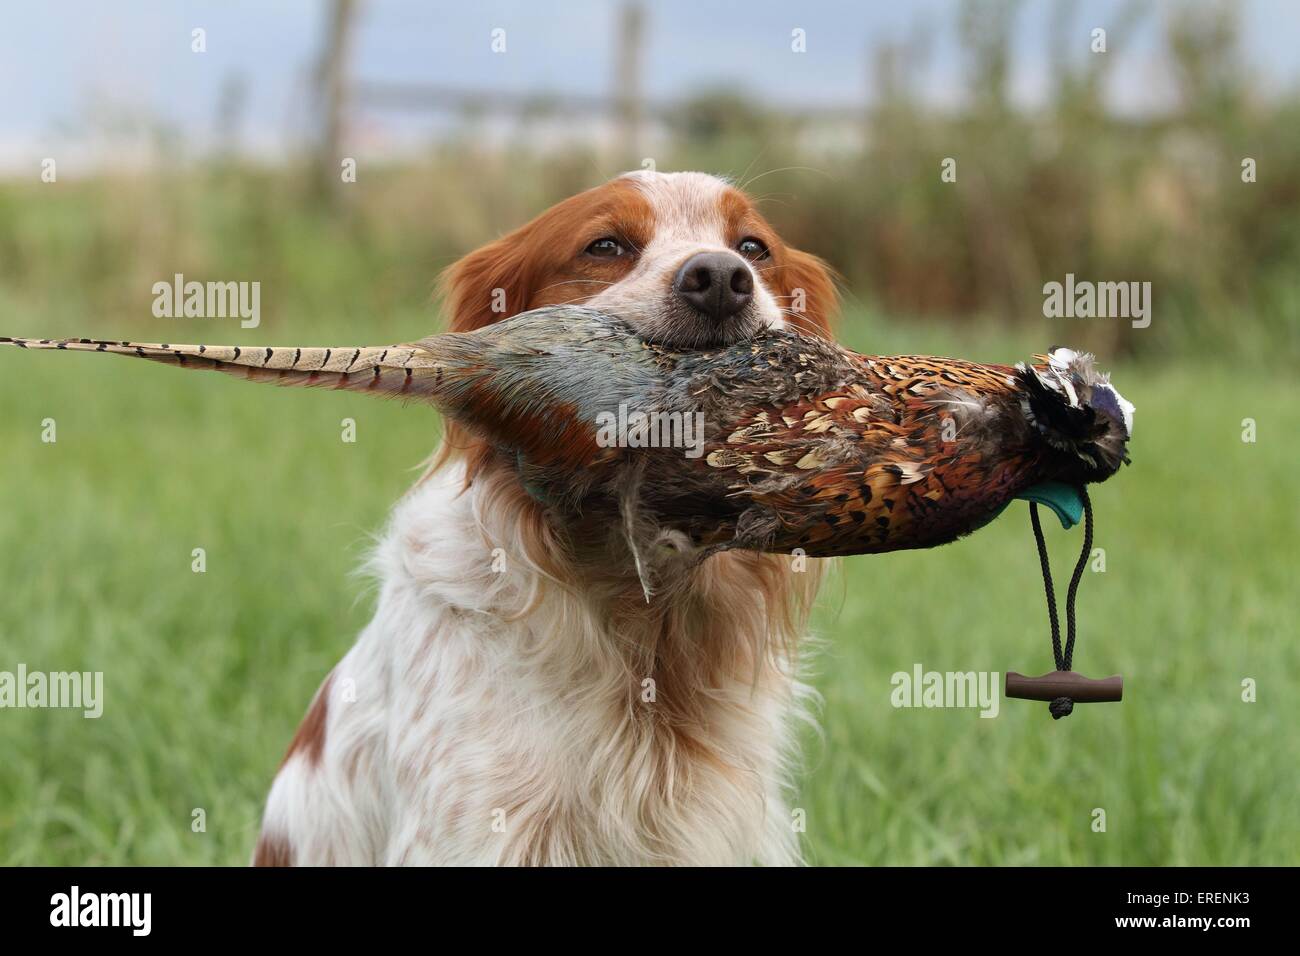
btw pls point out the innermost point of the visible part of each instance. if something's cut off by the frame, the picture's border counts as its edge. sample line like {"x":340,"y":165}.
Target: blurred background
{"x":217,"y":153}
{"x":1122,"y":165}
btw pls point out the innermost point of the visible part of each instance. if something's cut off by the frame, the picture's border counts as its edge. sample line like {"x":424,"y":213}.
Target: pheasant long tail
{"x":458,"y":373}
{"x":393,"y":371}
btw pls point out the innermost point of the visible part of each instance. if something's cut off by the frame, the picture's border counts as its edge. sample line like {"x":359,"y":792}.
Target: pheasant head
{"x":1078,"y":411}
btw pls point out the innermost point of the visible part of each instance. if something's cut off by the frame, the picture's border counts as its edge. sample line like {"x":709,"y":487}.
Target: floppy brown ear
{"x":806,"y":285}
{"x":490,"y":284}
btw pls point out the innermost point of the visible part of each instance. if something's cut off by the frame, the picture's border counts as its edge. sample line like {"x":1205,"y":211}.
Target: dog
{"x":516,"y":699}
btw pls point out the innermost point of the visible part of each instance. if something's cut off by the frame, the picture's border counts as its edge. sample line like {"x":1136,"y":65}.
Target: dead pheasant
{"x":799,"y":444}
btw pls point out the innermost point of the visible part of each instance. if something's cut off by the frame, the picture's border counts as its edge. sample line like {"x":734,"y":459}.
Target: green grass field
{"x":207,"y":675}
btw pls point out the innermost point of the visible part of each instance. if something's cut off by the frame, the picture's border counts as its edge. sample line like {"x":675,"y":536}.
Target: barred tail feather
{"x":453,"y":372}
{"x":393,"y":371}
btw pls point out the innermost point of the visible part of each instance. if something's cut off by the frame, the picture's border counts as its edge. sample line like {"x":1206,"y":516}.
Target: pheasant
{"x":775,"y":443}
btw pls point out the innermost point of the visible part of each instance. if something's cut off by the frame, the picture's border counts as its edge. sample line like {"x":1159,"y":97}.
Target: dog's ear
{"x":490,"y":284}
{"x":806,"y":286}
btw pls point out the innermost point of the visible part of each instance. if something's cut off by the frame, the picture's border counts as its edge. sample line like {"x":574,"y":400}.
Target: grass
{"x":207,"y":675}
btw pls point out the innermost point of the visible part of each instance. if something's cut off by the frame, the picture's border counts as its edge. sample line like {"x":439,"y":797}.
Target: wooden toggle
{"x":1080,"y":689}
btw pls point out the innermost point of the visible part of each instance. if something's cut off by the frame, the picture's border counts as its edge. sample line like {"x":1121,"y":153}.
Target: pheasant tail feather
{"x":399,"y":371}
{"x":447,"y":371}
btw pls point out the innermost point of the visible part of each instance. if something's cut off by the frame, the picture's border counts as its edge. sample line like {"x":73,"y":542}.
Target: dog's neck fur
{"x":537,"y":693}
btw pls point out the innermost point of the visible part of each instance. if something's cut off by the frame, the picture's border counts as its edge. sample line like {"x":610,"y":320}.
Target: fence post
{"x":627,"y":82}
{"x":331,"y":96}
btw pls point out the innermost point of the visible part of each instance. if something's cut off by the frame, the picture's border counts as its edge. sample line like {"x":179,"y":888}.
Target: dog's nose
{"x":719,"y":284}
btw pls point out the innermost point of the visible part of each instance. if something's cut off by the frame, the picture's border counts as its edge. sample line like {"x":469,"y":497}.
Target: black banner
{"x":1035,"y":907}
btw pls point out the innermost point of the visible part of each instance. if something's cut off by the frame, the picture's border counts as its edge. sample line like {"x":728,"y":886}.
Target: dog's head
{"x":685,"y":257}
{"x":689,"y":261}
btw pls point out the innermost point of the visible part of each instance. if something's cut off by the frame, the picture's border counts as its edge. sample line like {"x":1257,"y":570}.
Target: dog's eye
{"x":753,"y":249}
{"x":605,"y":248}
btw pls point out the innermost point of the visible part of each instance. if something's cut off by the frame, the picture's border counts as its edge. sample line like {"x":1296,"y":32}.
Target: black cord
{"x":1078,"y":576}
{"x":1064,"y":658}
{"x":1047,"y":583}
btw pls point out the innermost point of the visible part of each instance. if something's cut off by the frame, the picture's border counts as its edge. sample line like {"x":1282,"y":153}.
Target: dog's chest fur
{"x":493,"y":712}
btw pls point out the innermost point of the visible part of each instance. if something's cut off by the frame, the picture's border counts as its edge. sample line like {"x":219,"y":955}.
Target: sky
{"x":69,"y":67}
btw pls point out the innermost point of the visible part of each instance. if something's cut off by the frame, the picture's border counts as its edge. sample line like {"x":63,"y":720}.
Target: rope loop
{"x":1063,"y":656}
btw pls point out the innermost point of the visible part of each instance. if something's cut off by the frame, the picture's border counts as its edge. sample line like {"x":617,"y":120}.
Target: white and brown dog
{"x":515,"y":699}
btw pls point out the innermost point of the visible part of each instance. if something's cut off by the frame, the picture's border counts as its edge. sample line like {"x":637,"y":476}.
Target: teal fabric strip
{"x":1063,"y":499}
